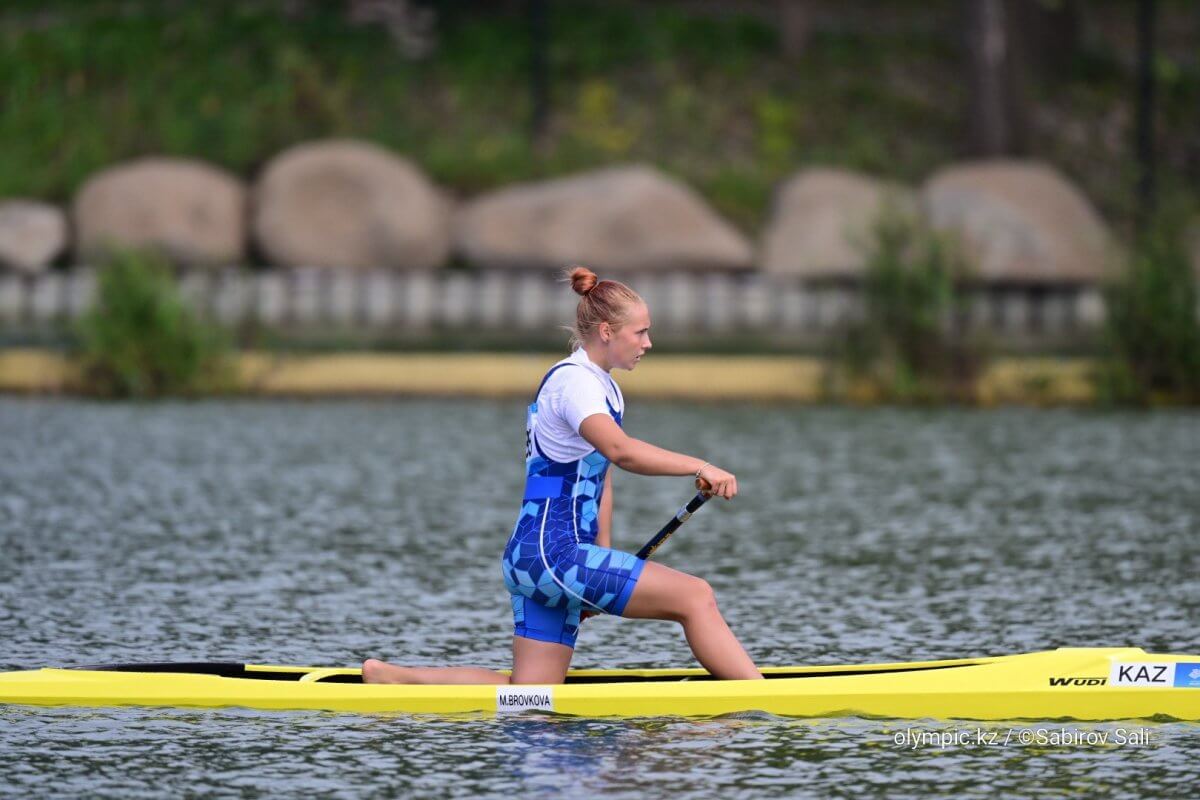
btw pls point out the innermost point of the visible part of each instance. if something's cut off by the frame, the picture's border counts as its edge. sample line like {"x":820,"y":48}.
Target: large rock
{"x":32,"y":235}
{"x":1020,"y":222}
{"x":349,"y":204}
{"x":623,"y":219}
{"x":191,"y":211}
{"x":821,"y":222}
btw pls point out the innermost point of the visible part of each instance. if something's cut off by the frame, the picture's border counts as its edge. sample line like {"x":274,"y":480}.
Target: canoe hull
{"x":1078,"y":683}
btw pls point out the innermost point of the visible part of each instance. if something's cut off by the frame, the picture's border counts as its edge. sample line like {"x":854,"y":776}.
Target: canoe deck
{"x":1069,"y":683}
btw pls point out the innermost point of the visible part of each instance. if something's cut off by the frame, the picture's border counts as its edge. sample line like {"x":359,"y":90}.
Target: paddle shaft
{"x":681,"y":516}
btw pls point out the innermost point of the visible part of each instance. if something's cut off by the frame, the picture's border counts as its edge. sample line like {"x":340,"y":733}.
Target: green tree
{"x":906,"y":342}
{"x":1152,"y":334}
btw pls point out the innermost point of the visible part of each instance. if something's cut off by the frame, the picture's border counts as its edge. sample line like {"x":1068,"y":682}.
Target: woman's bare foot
{"x":376,"y":671}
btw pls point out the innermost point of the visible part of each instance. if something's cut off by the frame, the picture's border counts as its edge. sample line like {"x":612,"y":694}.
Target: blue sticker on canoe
{"x":1187,"y":674}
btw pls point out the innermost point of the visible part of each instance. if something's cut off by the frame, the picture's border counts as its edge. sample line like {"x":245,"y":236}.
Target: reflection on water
{"x":328,"y":532}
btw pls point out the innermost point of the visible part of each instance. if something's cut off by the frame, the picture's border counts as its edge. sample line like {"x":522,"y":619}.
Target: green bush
{"x":1152,"y":335}
{"x":906,"y":344}
{"x":141,"y":340}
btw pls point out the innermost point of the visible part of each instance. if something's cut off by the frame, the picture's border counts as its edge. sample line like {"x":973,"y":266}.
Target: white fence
{"x":406,"y":305}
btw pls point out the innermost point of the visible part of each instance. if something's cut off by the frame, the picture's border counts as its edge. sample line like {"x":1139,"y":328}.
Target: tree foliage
{"x":907,"y":344}
{"x":141,"y":340}
{"x":1152,"y":329}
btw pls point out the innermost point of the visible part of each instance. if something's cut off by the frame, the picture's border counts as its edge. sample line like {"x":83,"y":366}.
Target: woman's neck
{"x":595,"y":353}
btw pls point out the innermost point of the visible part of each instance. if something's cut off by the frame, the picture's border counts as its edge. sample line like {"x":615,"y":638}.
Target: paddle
{"x":664,"y":533}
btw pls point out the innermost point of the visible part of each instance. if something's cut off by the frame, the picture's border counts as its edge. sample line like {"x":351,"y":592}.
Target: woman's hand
{"x":714,"y":481}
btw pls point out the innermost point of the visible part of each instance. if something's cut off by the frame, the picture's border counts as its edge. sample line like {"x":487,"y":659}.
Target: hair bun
{"x":583,"y":280}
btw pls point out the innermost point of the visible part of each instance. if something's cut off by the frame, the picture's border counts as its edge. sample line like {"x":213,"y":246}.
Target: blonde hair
{"x":601,"y":301}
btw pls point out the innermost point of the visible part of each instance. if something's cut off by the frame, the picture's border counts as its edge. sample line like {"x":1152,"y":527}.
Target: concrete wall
{"x":387,"y":306}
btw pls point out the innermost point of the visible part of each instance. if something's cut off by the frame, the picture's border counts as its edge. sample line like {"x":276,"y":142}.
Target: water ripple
{"x":328,"y":532}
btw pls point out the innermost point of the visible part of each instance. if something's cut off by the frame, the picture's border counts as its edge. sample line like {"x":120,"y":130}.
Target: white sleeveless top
{"x":570,"y":396}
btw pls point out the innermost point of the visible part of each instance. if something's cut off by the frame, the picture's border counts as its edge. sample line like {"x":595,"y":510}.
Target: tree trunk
{"x":795,"y":27}
{"x":539,"y":71}
{"x":1053,"y":31}
{"x":996,"y":112}
{"x":1145,"y":113}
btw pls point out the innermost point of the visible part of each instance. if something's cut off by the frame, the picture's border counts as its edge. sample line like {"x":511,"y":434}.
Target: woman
{"x":559,"y":566}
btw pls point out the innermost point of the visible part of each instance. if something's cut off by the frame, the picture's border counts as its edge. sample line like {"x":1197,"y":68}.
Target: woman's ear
{"x":605,"y":331}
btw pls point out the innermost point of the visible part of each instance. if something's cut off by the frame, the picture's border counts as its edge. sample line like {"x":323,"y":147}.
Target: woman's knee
{"x":699,"y":600}
{"x":668,"y":594}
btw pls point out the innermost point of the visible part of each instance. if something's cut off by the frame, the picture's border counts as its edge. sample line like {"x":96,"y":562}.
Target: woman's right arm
{"x":643,"y":458}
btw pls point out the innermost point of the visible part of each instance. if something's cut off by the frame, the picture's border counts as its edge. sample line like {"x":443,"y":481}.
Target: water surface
{"x":324,"y":533}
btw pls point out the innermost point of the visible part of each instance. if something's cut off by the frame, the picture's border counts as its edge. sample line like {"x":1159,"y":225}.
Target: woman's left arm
{"x":603,"y":525}
{"x":604,"y":520}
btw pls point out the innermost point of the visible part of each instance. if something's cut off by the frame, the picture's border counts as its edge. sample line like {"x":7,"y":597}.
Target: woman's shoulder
{"x":576,"y":373}
{"x":565,"y":375}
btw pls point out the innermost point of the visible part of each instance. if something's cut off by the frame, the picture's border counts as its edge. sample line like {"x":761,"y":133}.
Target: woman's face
{"x":628,"y":342}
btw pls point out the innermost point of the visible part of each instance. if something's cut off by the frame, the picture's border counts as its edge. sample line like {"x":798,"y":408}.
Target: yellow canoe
{"x":1068,"y":683}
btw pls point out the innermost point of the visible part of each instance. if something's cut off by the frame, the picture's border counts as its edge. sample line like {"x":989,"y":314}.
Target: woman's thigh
{"x":664,"y":593}
{"x":539,"y":662}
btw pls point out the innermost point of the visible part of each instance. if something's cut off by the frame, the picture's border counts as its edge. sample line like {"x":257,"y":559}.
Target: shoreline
{"x":1032,"y":380}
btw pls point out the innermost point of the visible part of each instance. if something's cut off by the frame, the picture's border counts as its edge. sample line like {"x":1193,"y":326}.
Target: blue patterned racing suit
{"x":552,"y":567}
